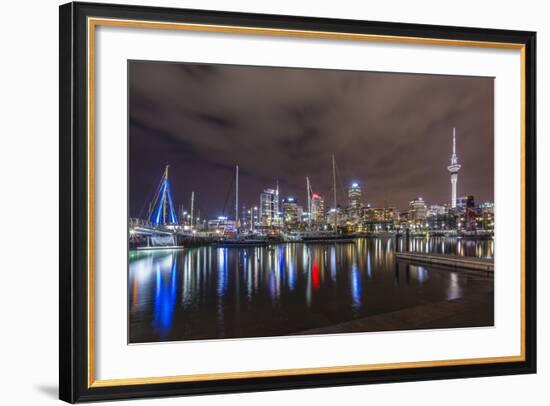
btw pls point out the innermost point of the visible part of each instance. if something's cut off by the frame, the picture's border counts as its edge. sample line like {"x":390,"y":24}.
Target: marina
{"x":271,"y":271}
{"x":163,"y":227}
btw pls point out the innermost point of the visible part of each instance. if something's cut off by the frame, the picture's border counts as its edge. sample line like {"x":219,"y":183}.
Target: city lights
{"x":287,"y":219}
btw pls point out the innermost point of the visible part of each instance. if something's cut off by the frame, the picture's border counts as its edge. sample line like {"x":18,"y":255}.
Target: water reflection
{"x":165,"y":295}
{"x":287,"y":288}
{"x":451,"y":246}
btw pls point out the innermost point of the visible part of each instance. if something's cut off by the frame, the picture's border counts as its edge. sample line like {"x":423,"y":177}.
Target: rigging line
{"x":227,"y":196}
{"x":340,"y":181}
{"x":158,"y":210}
{"x":173,"y":217}
{"x":345,"y":173}
{"x":159,"y":195}
{"x":151,"y":201}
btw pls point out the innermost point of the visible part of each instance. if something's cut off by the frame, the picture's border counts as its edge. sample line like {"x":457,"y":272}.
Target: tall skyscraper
{"x":355,"y":206}
{"x":317,"y":209}
{"x":269,"y":207}
{"x":278,"y":220}
{"x":467,"y":203}
{"x":291,"y":215}
{"x":454,"y":167}
{"x":354,"y":196}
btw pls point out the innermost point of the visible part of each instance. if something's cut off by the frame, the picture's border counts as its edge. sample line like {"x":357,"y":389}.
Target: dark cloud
{"x":392,"y":132}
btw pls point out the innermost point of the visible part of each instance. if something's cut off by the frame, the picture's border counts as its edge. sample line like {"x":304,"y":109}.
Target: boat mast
{"x":334,"y":191}
{"x":192,"y":206}
{"x":308,"y":187}
{"x":165,"y":200}
{"x":236,"y":195}
{"x":276,"y":214}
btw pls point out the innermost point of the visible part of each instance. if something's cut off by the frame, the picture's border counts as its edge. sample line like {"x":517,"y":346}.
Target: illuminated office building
{"x":354,"y":203}
{"x":354,"y":196}
{"x":291,"y":212}
{"x":469,"y":218}
{"x":269,"y":207}
{"x":379,"y":218}
{"x":317,"y":209}
{"x":485,"y":216}
{"x":417,"y":210}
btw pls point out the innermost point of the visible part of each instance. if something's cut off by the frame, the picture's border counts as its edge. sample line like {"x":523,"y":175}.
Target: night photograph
{"x":272,"y":201}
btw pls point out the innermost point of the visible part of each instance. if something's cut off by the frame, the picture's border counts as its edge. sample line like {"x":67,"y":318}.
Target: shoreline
{"x":194,"y":242}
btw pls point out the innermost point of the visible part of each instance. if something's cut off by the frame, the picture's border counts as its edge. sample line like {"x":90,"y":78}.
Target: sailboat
{"x":239,"y":240}
{"x":159,"y":232}
{"x":162,"y":211}
{"x":324,"y":235}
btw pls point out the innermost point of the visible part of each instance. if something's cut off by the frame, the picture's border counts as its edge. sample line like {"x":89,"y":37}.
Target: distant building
{"x":486,"y":207}
{"x":461,"y":202}
{"x":253,"y":218}
{"x":332,"y":216}
{"x":379,"y":219}
{"x":418,"y":211}
{"x":269,"y":207}
{"x":300,"y":213}
{"x":291,"y":212}
{"x":373,"y":214}
{"x":317,"y":209}
{"x":437,"y":210}
{"x":244,"y":218}
{"x":485,"y":216}
{"x":354,"y":195}
{"x":441,"y":217}
{"x":391,"y":213}
{"x":221,"y":225}
{"x":336,"y":215}
{"x":466,"y":204}
{"x":355,"y":204}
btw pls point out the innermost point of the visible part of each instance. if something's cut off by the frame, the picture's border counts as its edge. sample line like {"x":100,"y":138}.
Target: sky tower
{"x":454,"y":167}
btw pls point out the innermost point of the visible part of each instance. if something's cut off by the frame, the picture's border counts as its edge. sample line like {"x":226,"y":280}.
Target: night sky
{"x":390,"y":132}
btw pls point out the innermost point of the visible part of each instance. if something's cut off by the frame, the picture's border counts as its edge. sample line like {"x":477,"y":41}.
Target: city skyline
{"x":392,"y":170}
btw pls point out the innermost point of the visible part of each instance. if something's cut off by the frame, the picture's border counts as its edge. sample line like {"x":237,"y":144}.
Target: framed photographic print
{"x":255,"y":202}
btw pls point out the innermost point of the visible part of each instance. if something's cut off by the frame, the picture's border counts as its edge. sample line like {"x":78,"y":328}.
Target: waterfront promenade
{"x":474,"y":311}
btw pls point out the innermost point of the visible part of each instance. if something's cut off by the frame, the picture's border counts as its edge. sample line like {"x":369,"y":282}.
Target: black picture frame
{"x":74,"y":384}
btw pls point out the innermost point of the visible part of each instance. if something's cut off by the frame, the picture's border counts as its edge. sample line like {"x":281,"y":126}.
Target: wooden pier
{"x":452,"y":261}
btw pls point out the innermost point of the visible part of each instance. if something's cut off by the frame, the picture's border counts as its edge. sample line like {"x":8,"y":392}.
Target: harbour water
{"x":293,"y":288}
